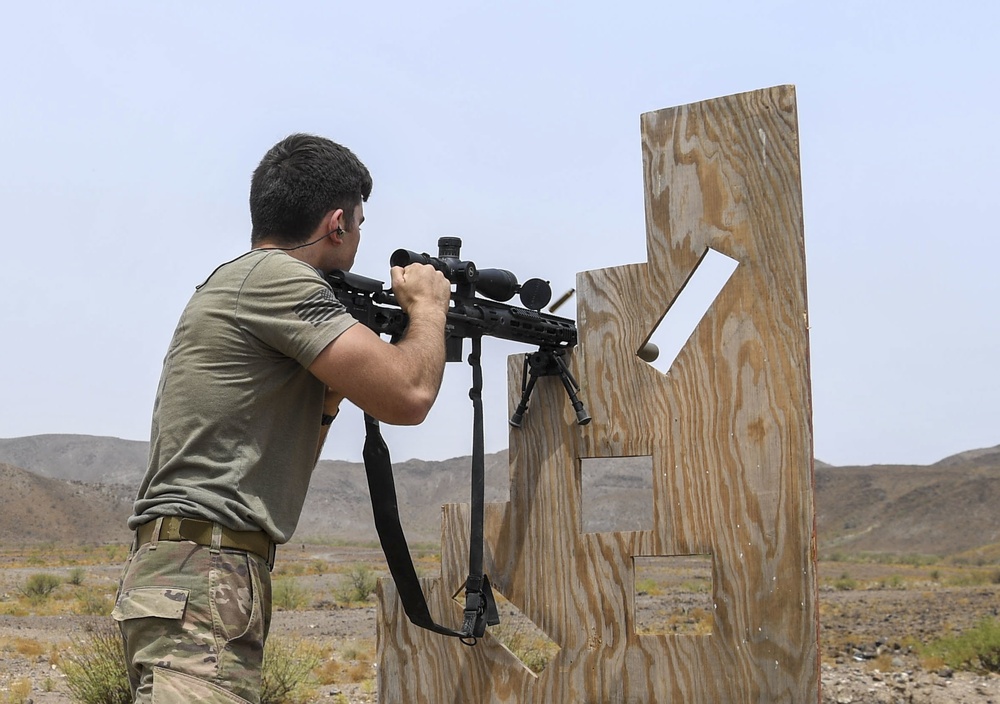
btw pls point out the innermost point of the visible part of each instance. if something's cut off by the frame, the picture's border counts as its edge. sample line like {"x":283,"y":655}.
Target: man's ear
{"x":335,"y":225}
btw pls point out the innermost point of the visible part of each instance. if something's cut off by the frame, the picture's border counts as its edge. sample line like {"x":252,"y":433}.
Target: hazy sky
{"x":129,"y":132}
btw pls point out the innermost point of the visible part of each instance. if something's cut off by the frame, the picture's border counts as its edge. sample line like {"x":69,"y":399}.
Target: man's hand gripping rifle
{"x":474,"y":316}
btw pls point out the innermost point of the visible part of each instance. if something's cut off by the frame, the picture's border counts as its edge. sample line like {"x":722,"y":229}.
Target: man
{"x":258,"y":365}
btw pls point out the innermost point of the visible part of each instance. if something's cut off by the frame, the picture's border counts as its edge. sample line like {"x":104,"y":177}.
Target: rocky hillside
{"x":944,"y":508}
{"x":36,"y":509}
{"x":84,"y":458}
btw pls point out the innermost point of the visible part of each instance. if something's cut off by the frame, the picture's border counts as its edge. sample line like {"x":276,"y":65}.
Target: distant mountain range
{"x":77,"y":488}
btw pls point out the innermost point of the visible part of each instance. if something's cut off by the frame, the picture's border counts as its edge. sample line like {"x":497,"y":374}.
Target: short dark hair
{"x":299,"y":180}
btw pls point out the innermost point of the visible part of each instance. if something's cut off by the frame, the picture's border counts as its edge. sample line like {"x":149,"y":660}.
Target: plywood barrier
{"x":729,"y":431}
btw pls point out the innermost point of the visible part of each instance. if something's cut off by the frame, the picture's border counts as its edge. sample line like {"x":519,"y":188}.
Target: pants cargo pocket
{"x":170,"y":687}
{"x":150,"y":602}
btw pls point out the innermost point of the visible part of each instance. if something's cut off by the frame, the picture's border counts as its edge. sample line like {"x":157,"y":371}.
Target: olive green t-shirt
{"x":236,"y":421}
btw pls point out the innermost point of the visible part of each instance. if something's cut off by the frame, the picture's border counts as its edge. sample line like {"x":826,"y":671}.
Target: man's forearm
{"x":395,"y":383}
{"x":424,"y":349}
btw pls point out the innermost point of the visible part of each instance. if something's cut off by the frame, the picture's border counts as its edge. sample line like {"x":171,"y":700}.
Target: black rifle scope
{"x":498,"y":284}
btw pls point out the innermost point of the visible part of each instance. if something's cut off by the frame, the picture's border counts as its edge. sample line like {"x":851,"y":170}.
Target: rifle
{"x":473,"y":316}
{"x":469,"y":316}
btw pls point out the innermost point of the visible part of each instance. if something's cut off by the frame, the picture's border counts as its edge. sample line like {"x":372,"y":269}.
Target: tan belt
{"x":200,"y":532}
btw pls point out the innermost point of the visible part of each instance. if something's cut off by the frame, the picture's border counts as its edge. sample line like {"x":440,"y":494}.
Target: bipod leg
{"x":572,"y":388}
{"x":528,"y":378}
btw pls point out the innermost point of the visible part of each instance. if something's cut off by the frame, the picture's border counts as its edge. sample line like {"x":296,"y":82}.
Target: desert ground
{"x":877,"y":616}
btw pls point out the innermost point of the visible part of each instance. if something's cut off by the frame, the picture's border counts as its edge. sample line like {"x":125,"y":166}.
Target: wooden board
{"x":729,"y":430}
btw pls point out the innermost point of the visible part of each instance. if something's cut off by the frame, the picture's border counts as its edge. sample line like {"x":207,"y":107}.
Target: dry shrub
{"x":880,"y":663}
{"x":19,"y":692}
{"x":328,"y":672}
{"x":28,"y":648}
{"x":352,"y":665}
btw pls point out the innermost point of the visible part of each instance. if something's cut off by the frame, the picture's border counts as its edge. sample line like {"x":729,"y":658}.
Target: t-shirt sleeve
{"x":286,"y":306}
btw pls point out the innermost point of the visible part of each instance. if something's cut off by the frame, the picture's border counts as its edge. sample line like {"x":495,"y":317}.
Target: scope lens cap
{"x":535,"y":294}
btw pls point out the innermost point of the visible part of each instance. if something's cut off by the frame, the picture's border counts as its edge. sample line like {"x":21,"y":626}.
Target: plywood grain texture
{"x":729,"y":429}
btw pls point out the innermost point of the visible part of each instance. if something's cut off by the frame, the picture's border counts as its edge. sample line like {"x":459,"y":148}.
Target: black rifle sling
{"x":480,"y":606}
{"x":382,"y":488}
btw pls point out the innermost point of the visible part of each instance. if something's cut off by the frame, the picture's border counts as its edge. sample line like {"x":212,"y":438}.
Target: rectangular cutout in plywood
{"x":673,"y":595}
{"x":617,"y":494}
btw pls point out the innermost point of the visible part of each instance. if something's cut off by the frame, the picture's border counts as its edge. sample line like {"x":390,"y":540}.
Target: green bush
{"x":845,"y":583}
{"x":970,"y":578}
{"x":95,"y":668}
{"x":894,"y":581}
{"x":93,"y":603}
{"x":96,"y":672}
{"x":40,"y":586}
{"x":648,"y":586}
{"x":358,"y":584}
{"x":288,"y":595}
{"x":977,"y":649}
{"x":287,"y":673}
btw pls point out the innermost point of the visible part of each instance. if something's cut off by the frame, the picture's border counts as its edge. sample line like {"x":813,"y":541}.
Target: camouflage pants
{"x":194,"y":621}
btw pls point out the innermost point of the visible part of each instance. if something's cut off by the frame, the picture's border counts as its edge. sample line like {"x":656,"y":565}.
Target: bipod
{"x":548,"y":362}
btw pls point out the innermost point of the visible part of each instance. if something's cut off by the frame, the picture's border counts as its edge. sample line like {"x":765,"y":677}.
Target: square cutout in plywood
{"x":617,"y":493}
{"x":673,"y":595}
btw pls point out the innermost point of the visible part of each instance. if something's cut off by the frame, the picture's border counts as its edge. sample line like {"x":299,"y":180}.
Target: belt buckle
{"x":170,"y":529}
